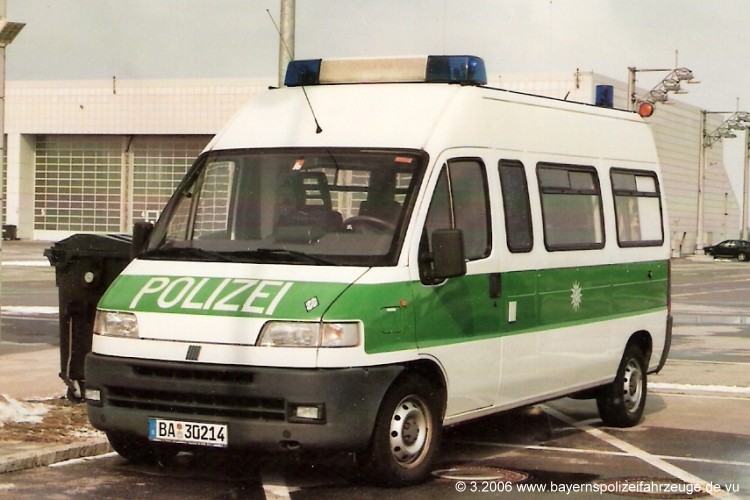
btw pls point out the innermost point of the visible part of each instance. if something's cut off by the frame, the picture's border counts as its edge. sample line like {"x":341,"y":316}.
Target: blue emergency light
{"x":464,"y":70}
{"x":467,"y":70}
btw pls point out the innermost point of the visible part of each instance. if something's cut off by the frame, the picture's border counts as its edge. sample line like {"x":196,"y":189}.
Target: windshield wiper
{"x":295,"y":255}
{"x":196,"y":253}
{"x":189,"y":253}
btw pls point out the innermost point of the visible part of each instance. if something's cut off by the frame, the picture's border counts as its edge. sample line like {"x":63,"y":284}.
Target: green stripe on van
{"x":404,"y":315}
{"x":461,"y":309}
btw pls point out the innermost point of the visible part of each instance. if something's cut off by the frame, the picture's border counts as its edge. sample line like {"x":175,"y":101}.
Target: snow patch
{"x":12,"y":410}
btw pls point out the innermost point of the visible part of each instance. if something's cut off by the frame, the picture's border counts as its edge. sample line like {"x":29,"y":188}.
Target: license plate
{"x":180,"y":431}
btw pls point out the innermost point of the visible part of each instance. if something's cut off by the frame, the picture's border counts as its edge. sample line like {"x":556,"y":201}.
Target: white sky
{"x":93,"y":39}
{"x":82,"y":39}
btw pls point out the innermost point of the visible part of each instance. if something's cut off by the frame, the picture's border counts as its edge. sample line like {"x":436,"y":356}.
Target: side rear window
{"x":515,"y":191}
{"x":637,"y":208}
{"x":571,"y":207}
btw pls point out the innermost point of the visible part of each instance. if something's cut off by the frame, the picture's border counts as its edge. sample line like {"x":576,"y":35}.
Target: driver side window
{"x":460,"y":201}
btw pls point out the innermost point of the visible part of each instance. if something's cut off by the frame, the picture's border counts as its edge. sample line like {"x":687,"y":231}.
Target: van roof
{"x":430,"y":116}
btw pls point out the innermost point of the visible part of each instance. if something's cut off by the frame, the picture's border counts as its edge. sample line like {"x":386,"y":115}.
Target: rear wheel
{"x":742,"y":257}
{"x":621,"y":404}
{"x":407,"y":434}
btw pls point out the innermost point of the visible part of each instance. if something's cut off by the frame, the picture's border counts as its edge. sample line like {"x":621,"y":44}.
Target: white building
{"x":94,"y":156}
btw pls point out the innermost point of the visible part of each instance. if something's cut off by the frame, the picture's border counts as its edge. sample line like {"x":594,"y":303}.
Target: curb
{"x":33,"y":455}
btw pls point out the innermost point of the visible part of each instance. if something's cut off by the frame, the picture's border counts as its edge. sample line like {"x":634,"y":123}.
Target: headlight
{"x":300,"y":334}
{"x":116,"y":324}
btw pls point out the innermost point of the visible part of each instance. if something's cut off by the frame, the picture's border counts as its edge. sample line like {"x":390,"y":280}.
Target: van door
{"x":456,"y":318}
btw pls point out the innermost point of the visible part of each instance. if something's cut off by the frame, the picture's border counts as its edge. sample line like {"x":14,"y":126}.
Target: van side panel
{"x":559,"y":329}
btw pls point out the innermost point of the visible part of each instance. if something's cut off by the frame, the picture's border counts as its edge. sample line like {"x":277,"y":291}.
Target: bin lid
{"x":89,"y":244}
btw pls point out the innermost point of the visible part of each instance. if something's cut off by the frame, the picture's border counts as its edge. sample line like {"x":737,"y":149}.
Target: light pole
{"x":738,"y":120}
{"x":286,"y":37}
{"x":8,"y":32}
{"x":659,"y":93}
{"x":746,"y":188}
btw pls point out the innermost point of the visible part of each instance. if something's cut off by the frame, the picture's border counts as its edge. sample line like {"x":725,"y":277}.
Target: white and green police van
{"x":378,"y":250}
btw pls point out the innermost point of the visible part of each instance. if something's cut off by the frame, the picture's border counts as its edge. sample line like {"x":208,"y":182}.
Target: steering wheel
{"x":369,"y":221}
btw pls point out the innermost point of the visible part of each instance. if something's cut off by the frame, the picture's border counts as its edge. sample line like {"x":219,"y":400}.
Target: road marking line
{"x":701,"y":361}
{"x":30,"y":311}
{"x":638,"y":453}
{"x":701,"y":396}
{"x":274,"y":486}
{"x":709,"y":292}
{"x":26,"y":263}
{"x":693,"y":388}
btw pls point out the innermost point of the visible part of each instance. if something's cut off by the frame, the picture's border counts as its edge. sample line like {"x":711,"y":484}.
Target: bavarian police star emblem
{"x":576,"y":296}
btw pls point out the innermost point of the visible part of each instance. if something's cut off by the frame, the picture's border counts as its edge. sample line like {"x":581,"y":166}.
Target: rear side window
{"x":571,"y":207}
{"x":637,"y":208}
{"x":516,"y":206}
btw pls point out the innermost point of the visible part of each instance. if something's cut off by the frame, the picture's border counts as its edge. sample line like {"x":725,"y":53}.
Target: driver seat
{"x":380,"y":202}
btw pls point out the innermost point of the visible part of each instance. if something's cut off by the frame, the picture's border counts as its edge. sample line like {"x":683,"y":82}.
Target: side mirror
{"x":448,"y":255}
{"x":141,"y":232}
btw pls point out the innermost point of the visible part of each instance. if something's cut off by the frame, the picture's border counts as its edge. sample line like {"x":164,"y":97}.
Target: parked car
{"x":735,"y":249}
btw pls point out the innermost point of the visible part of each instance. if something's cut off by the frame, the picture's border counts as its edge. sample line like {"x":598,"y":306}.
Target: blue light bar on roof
{"x":302,"y":73}
{"x":465,"y":70}
{"x":468,"y":70}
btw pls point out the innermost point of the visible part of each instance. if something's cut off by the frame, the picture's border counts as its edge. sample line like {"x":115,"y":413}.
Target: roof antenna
{"x":289,"y":53}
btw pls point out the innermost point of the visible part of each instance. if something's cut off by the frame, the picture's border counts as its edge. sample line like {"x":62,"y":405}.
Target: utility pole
{"x":745,"y":188}
{"x":701,"y":184}
{"x":286,"y":40}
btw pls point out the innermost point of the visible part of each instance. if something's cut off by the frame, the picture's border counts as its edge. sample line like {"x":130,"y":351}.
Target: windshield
{"x":339,"y":207}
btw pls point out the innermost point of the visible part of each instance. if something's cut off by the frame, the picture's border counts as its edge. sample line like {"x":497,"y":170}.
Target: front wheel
{"x":621,"y":404}
{"x":406,"y":435}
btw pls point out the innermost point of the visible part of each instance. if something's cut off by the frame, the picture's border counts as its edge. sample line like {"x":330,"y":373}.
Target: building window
{"x":571,"y":207}
{"x":78,"y":183}
{"x":159,"y":163}
{"x":637,"y":208}
{"x":100,"y":183}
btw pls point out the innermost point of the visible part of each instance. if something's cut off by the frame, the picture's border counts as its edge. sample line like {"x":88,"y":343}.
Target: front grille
{"x":194,"y":390}
{"x":197,"y":404}
{"x":227,"y":376}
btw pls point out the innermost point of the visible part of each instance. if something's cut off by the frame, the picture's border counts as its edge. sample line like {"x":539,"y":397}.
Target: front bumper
{"x":255,"y":402}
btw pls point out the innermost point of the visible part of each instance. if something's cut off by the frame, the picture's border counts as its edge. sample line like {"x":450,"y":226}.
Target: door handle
{"x":496,"y":285}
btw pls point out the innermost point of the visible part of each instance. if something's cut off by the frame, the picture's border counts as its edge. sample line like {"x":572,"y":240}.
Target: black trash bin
{"x":85,"y":265}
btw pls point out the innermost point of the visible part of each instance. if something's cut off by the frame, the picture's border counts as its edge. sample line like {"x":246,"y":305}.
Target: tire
{"x":621,"y":404}
{"x":406,"y":435}
{"x":742,"y":257}
{"x":139,"y":450}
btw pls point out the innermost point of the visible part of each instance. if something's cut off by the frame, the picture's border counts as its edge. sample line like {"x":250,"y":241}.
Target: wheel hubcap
{"x":409,"y":430}
{"x":633,"y":386}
